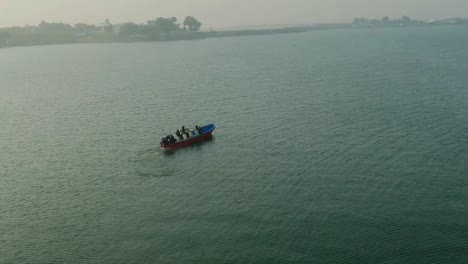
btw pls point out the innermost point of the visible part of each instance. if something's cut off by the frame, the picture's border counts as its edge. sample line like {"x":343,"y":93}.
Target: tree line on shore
{"x":60,"y":33}
{"x":162,"y":29}
{"x":406,"y":21}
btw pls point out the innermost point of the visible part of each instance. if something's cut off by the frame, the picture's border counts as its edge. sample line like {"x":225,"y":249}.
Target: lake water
{"x":342,"y":146}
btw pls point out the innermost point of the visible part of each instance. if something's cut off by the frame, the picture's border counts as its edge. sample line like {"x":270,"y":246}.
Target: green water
{"x":344,"y":146}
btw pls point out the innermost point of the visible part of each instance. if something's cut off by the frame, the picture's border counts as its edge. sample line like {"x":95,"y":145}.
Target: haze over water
{"x":223,"y":13}
{"x":344,"y":146}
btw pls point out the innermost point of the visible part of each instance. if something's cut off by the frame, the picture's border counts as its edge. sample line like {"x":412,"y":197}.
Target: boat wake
{"x":152,"y":163}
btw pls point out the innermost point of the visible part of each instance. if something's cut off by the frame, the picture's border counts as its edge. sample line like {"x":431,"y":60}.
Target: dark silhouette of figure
{"x":172,"y":139}
{"x":185,"y":131}
{"x":179,"y":134}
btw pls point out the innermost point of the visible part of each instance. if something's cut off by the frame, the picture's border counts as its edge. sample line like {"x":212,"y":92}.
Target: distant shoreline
{"x":110,"y":37}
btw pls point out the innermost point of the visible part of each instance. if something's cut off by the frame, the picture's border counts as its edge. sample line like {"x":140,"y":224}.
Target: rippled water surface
{"x":331,"y":147}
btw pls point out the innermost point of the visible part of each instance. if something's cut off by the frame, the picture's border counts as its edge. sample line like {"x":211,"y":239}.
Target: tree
{"x":166,"y":25}
{"x":385,"y":20}
{"x":81,"y":27}
{"x":151,"y":32}
{"x":173,"y":20}
{"x":192,"y":24}
{"x":163,"y":24}
{"x":405,"y":20}
{"x":54,"y":27}
{"x":360,"y":21}
{"x":172,"y":23}
{"x":128,"y":29}
{"x":4,"y":37}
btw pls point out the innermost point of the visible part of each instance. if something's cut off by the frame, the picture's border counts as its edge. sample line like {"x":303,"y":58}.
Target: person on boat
{"x":179,"y":134}
{"x":198,"y":129}
{"x":172,"y":139}
{"x":185,"y":131}
{"x":166,"y":141}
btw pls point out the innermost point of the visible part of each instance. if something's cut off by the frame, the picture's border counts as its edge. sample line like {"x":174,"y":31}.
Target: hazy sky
{"x":222,"y":13}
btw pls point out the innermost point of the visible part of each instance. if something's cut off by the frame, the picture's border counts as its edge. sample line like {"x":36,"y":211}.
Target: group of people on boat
{"x":187,"y":132}
{"x":180,"y":135}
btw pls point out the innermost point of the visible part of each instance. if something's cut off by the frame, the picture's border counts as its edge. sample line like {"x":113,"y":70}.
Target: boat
{"x":192,"y":136}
